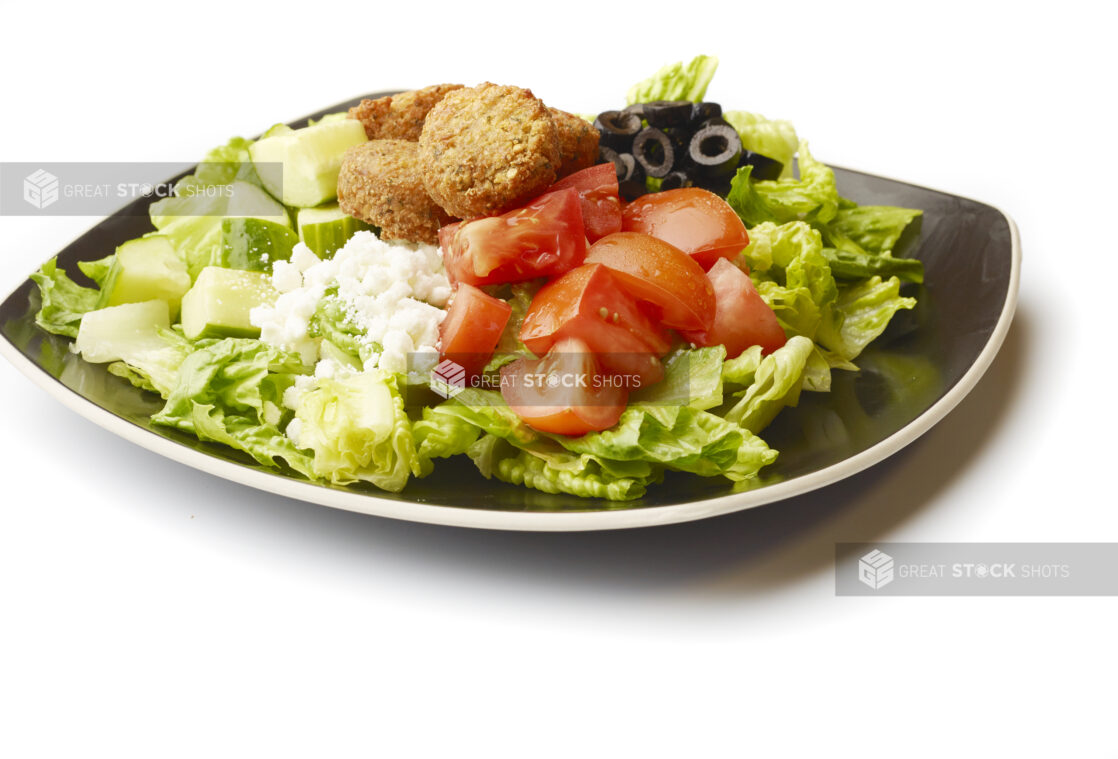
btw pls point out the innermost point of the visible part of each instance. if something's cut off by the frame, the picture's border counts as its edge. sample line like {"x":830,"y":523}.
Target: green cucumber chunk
{"x":147,"y":268}
{"x":327,"y":228}
{"x":113,"y":333}
{"x":301,"y":167}
{"x":219,"y":303}
{"x":249,"y":200}
{"x":254,"y":244}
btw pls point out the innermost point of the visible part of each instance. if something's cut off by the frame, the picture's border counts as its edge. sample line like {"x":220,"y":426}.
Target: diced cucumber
{"x":326,"y":228}
{"x":254,"y":244}
{"x":249,"y":200}
{"x":111,"y":334}
{"x":219,"y":303}
{"x":301,"y":167}
{"x":147,"y":268}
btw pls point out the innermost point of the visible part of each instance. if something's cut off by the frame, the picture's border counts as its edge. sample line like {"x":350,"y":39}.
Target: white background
{"x":150,"y":610}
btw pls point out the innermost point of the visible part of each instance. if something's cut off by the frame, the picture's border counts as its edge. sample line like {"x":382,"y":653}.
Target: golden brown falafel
{"x":400,"y":116}
{"x":380,"y":183}
{"x":578,"y":142}
{"x":484,"y":148}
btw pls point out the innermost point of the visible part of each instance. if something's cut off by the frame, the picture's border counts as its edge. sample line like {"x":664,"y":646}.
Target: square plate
{"x":911,"y":377}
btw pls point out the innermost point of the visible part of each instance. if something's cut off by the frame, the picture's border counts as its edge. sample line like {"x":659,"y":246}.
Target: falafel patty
{"x":380,"y":183}
{"x":484,"y":148}
{"x":578,"y":142}
{"x":400,"y":116}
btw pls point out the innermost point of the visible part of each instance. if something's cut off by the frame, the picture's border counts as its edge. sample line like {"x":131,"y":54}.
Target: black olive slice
{"x":617,"y":129}
{"x":675,"y":180}
{"x":701,"y":112}
{"x":715,"y":150}
{"x":664,"y":114}
{"x":763,"y":166}
{"x":654,"y":151}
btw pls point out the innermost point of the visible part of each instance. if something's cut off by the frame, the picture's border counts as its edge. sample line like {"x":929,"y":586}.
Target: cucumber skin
{"x":254,"y":244}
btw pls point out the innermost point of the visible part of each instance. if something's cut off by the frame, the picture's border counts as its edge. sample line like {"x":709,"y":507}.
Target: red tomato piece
{"x":588,"y":304}
{"x":601,"y":205}
{"x":696,"y":221}
{"x":742,"y":318}
{"x":472,"y":328}
{"x":651,"y":270}
{"x":544,"y":238}
{"x":563,"y":393}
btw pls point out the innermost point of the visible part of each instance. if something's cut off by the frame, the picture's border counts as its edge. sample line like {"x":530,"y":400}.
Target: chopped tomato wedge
{"x":544,"y":238}
{"x":742,"y":319}
{"x":589,"y":304}
{"x":654,"y":271}
{"x":696,"y":221}
{"x":472,"y":328}
{"x":564,"y":392}
{"x":597,"y":191}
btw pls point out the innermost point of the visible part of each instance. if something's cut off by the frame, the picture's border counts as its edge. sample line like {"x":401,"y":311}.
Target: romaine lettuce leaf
{"x":157,"y":369}
{"x":676,"y":81}
{"x":812,"y":197}
{"x":776,"y":383}
{"x":865,"y":309}
{"x":692,"y":377}
{"x":231,"y":391}
{"x":680,"y":438}
{"x":773,"y":139}
{"x":98,"y":270}
{"x":64,"y":301}
{"x":847,"y":264}
{"x":358,"y":430}
{"x":440,"y":436}
{"x":876,"y":229}
{"x":558,"y":472}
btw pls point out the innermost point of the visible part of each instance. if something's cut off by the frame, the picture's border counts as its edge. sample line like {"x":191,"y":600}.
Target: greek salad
{"x":578,"y":304}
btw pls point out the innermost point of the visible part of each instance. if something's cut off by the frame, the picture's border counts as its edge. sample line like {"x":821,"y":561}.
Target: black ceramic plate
{"x":912,"y":376}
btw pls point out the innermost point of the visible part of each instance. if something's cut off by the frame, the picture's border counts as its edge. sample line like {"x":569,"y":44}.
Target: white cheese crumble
{"x":394,"y":294}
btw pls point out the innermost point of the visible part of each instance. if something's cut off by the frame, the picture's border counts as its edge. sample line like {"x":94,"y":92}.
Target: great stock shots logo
{"x":875,"y":569}
{"x":40,"y":189}
{"x":448,"y":379}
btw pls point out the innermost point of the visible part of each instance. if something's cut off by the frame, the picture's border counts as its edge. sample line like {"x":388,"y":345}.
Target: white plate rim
{"x":547,"y":521}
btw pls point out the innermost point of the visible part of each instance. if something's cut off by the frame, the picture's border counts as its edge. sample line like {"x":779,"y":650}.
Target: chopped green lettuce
{"x":64,"y":301}
{"x":776,"y":383}
{"x":98,"y":270}
{"x":692,"y":377}
{"x":676,"y":81}
{"x":231,"y":391}
{"x":812,"y":197}
{"x":773,"y":139}
{"x":357,"y":428}
{"x":876,"y":229}
{"x":865,"y":310}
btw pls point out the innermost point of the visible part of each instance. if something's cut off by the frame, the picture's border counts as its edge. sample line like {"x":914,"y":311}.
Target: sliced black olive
{"x":715,"y":150}
{"x":763,"y":166}
{"x":712,"y":121}
{"x":664,"y":114}
{"x":700,"y":112}
{"x":632,"y":170}
{"x":637,"y":108}
{"x":617,"y":129}
{"x":653,"y":150}
{"x":631,"y":189}
{"x":609,"y":155}
{"x":675,"y":180}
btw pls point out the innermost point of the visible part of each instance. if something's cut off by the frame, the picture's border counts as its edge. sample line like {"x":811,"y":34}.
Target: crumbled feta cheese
{"x":393,"y":293}
{"x":294,"y":428}
{"x":303,"y":257}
